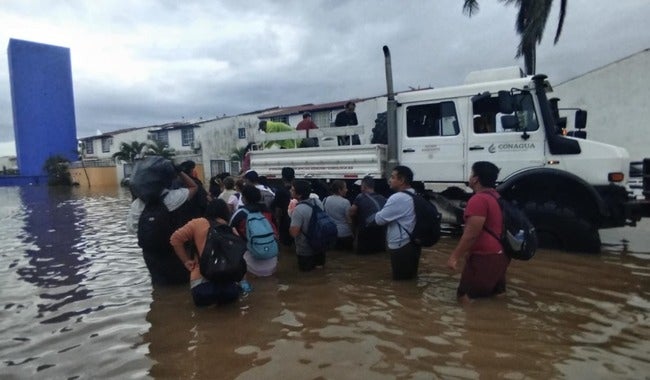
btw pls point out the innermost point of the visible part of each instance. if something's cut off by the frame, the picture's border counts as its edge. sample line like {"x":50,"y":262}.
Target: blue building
{"x":42,"y":103}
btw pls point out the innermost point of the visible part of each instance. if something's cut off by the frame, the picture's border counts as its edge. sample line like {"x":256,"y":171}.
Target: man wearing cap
{"x":274,"y":127}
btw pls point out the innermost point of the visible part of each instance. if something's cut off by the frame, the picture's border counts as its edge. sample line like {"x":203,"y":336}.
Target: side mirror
{"x":581,"y":119}
{"x":510,"y":122}
{"x":505,"y":102}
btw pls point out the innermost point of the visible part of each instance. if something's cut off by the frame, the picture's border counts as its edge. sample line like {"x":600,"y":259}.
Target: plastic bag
{"x":151,"y":176}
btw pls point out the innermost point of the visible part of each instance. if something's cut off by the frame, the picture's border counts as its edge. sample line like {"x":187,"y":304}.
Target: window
{"x":217,"y":167}
{"x":160,"y":136}
{"x":437,"y":119}
{"x":106,"y":144}
{"x":187,"y":136}
{"x":321,"y":119}
{"x":488,"y":119}
{"x":282,"y":119}
{"x":241,"y":132}
{"x":235,"y":167}
{"x":90,"y":146}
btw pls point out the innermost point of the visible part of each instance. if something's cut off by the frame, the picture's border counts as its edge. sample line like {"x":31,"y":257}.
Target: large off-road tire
{"x":560,"y":227}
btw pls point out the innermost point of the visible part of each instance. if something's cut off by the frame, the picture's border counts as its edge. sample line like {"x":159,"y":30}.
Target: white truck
{"x":568,"y":186}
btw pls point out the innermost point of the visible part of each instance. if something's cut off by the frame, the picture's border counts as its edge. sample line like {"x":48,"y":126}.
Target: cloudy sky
{"x":152,"y":62}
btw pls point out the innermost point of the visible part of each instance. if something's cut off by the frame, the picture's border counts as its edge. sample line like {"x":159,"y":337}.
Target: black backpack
{"x":427,"y":222}
{"x":155,"y":226}
{"x":518,"y":236}
{"x":222,"y":259}
{"x":322,"y":233}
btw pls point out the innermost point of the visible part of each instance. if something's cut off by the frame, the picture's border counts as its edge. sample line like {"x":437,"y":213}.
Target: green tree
{"x":129,"y":152}
{"x":56,"y":167}
{"x":530,"y":25}
{"x":238,"y":154}
{"x":159,"y":148}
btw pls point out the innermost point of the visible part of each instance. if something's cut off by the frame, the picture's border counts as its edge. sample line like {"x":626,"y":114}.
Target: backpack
{"x":518,"y":236}
{"x":322,"y":233}
{"x":260,"y":236}
{"x":155,"y":226}
{"x":426,"y":232}
{"x":222,"y":259}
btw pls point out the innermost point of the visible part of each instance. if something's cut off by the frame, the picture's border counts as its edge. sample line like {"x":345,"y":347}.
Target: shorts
{"x":404,"y":261}
{"x":207,"y":293}
{"x":483,"y":276}
{"x":308,"y":263}
{"x":260,"y":268}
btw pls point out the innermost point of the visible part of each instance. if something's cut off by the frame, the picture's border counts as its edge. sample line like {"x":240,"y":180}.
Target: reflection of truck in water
{"x":568,"y":186}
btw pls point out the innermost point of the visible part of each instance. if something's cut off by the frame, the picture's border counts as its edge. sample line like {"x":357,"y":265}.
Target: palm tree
{"x":238,"y":154}
{"x":159,"y":148}
{"x":530,"y":25}
{"x":129,"y":152}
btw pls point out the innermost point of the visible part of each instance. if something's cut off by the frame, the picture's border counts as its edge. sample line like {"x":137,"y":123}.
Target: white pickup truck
{"x":568,"y":186}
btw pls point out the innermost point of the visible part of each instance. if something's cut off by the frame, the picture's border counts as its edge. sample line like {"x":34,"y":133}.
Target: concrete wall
{"x":42,"y":103}
{"x":99,"y":176}
{"x":617,"y":98}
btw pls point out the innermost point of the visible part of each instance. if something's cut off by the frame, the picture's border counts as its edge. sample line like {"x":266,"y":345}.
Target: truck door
{"x":431,"y":142}
{"x":512,"y":142}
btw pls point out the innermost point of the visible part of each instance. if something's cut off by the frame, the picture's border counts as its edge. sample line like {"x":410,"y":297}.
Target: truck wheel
{"x":559,"y":227}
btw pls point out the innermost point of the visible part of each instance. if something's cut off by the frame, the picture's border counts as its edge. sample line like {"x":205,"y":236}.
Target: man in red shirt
{"x":485,"y":268}
{"x":305,"y":125}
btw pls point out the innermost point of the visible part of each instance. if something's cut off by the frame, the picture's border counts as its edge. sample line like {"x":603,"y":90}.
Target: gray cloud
{"x":170,"y":60}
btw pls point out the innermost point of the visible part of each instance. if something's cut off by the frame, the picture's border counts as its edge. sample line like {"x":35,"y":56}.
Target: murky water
{"x":76,"y":302}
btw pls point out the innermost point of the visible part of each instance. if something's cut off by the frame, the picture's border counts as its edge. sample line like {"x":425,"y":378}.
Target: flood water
{"x":76,"y":303}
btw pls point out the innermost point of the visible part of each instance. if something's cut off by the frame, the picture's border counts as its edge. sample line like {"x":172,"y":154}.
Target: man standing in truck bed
{"x":345,"y":118}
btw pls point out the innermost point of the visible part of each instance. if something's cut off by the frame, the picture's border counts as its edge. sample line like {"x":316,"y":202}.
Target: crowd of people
{"x":368,"y":223}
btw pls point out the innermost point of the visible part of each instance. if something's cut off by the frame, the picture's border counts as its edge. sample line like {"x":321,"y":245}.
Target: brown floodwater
{"x":76,"y":303}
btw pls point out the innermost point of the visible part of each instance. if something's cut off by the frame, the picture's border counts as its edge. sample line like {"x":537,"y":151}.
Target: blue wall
{"x":42,"y":103}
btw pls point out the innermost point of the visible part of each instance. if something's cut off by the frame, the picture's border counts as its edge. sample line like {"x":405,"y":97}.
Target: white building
{"x":617,"y":98}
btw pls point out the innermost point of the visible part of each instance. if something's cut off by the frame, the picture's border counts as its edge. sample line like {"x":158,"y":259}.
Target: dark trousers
{"x":165,"y":267}
{"x":404,"y":261}
{"x":211,"y":293}
{"x":371,"y":240}
{"x":308,"y":263}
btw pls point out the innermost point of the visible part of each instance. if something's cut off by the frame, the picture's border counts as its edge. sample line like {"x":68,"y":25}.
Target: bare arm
{"x":473,"y":228}
{"x":189,"y":184}
{"x":177,"y":240}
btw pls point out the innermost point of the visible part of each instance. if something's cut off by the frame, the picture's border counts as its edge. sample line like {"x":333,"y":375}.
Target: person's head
{"x":481,"y":124}
{"x":349,"y":107}
{"x":252,"y":177}
{"x":239,"y":184}
{"x":339,"y":187}
{"x":288,"y":174}
{"x":217,"y":208}
{"x":262,"y":125}
{"x":484,"y":175}
{"x":250,"y":195}
{"x":306,"y":116}
{"x":187,"y":167}
{"x":229,"y":183}
{"x":300,"y":189}
{"x":367,"y":184}
{"x":400,"y":178}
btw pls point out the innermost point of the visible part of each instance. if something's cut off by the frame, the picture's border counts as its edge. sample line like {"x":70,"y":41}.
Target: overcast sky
{"x":153,"y":62}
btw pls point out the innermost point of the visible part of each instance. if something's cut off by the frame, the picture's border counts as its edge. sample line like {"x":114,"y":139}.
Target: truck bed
{"x":323,"y":162}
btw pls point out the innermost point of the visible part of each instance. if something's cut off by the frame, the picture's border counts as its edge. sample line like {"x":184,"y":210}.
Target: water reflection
{"x":53,"y":225}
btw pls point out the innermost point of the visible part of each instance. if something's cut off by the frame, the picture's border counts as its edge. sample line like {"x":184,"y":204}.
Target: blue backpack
{"x":260,"y":236}
{"x":322,"y":233}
